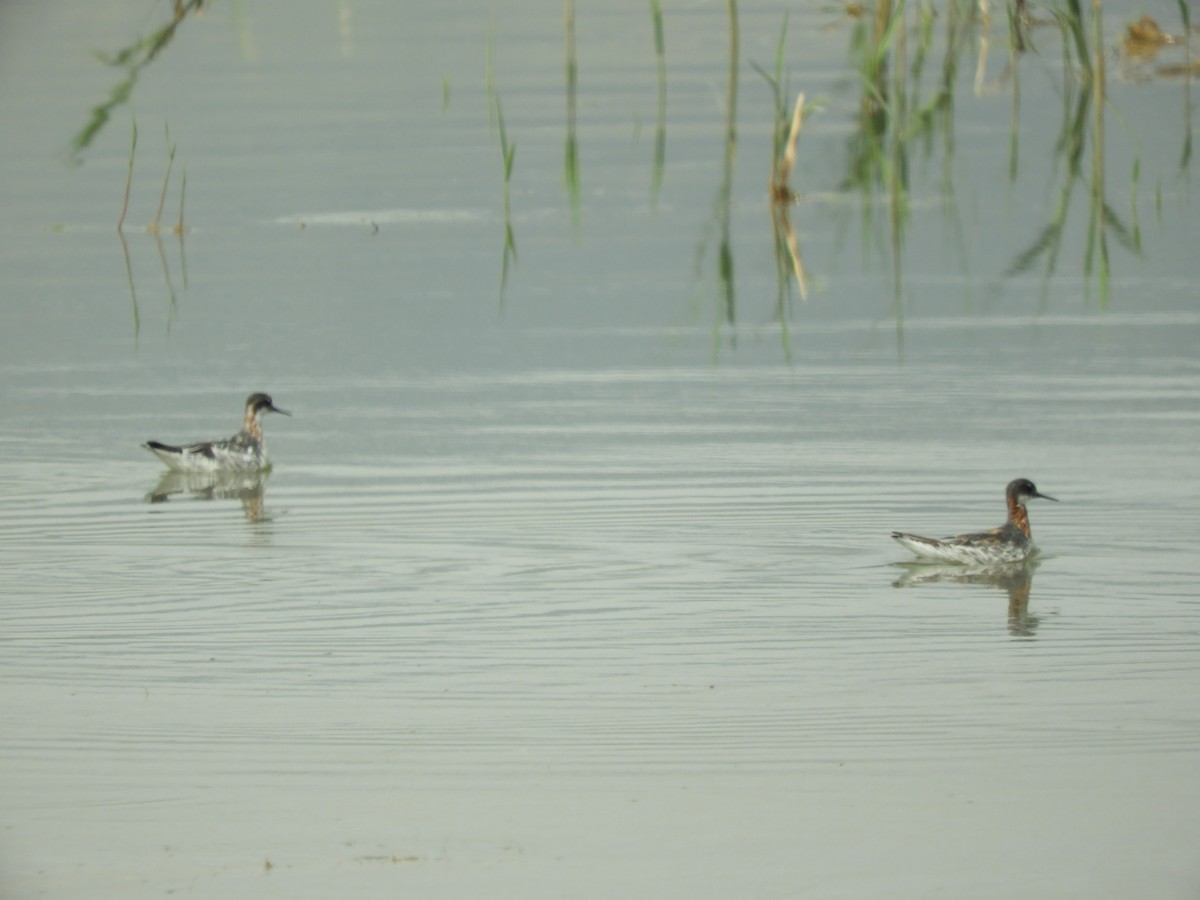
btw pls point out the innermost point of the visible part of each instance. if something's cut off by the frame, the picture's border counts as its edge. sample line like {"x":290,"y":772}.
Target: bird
{"x":246,"y":451}
{"x":1011,"y":542}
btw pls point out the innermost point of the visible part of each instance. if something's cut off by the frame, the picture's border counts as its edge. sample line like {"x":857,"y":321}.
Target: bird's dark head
{"x":1023,"y":490}
{"x":257,"y":404}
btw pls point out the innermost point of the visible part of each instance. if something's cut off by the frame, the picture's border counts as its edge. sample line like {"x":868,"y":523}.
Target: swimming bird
{"x":245,"y":451}
{"x":1011,"y":542}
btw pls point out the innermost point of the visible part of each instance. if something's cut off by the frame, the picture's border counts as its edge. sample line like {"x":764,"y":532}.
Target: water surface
{"x":581,"y":584}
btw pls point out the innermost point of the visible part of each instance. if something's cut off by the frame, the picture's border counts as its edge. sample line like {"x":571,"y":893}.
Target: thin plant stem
{"x":571,"y":149}
{"x":133,"y":59}
{"x":1186,"y":156}
{"x":507,"y":154}
{"x":162,"y":197}
{"x":137,"y":319}
{"x":1098,"y":184}
{"x":725,"y":251}
{"x":660,"y":132}
{"x":128,"y":179}
{"x":179,"y":228}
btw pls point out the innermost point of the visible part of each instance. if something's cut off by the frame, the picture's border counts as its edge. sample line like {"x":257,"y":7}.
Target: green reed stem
{"x":725,"y":252}
{"x":133,"y":58}
{"x":1186,"y":17}
{"x":1016,"y":47}
{"x":162,"y":196}
{"x":571,"y":175}
{"x":128,"y":178}
{"x":137,"y":318}
{"x":1135,"y":179}
{"x":179,"y":228}
{"x":1073,"y":24}
{"x":507,"y":155}
{"x":660,"y":132}
{"x":1098,"y":185}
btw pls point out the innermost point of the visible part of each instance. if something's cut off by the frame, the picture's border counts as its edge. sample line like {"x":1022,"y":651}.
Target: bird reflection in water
{"x":1014,"y":578}
{"x":247,"y":487}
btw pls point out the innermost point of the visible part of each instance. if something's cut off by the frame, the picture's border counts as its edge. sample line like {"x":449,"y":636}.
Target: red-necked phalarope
{"x":1011,"y":542}
{"x":246,"y":450}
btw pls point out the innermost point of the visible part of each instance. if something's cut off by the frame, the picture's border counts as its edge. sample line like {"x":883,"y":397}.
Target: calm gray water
{"x":580,"y":584}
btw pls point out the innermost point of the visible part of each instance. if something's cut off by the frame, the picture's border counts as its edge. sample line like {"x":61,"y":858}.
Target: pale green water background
{"x":583,"y":587}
